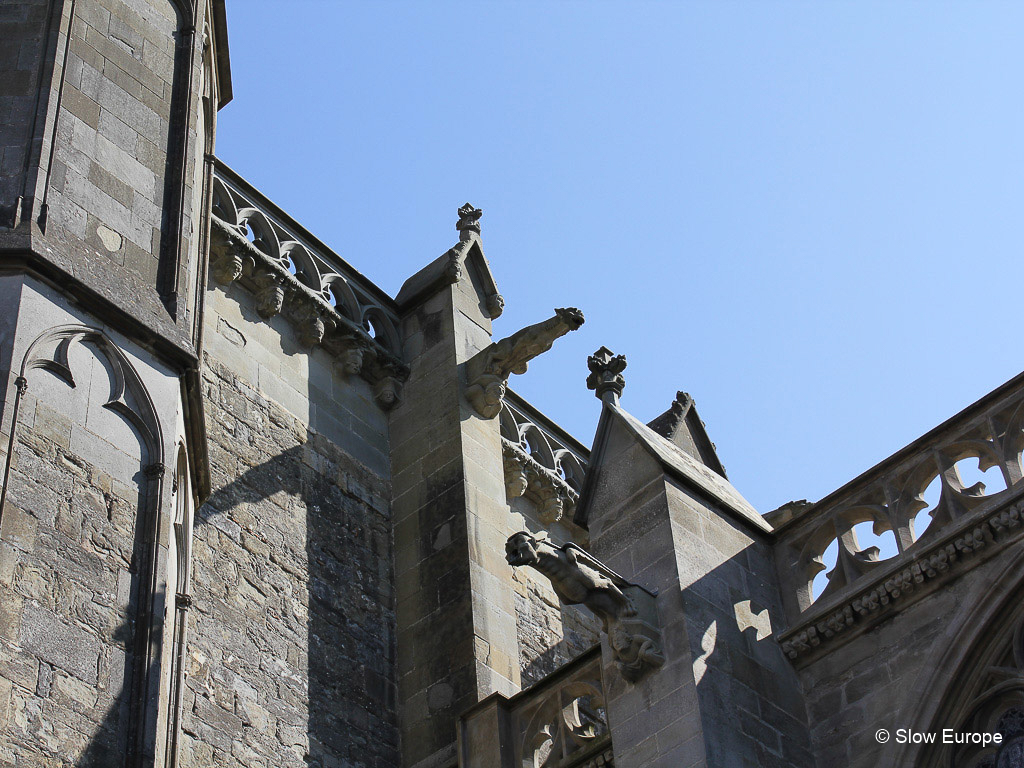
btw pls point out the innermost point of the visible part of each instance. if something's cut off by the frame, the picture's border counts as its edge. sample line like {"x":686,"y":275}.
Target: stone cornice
{"x":911,"y":577}
{"x":525,"y":476}
{"x":317,"y":323}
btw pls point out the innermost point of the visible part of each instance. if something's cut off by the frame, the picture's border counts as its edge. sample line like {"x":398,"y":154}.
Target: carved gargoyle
{"x":579,"y":578}
{"x":487,"y":372}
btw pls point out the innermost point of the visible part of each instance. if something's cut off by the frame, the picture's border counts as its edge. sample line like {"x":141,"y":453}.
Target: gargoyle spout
{"x":580,"y":579}
{"x":487,"y":372}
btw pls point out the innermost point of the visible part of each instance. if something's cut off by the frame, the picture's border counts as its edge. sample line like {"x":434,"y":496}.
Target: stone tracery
{"x":964,"y":521}
{"x":538,"y":463}
{"x":322,"y":295}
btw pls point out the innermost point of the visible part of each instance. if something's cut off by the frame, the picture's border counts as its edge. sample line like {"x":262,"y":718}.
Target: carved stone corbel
{"x":225,"y":254}
{"x":627,"y":611}
{"x":516,"y":481}
{"x":495,"y":305}
{"x":270,"y":295}
{"x":352,"y":355}
{"x":312,"y":325}
{"x":388,"y":392}
{"x":524,"y":475}
{"x":550,"y":502}
{"x":487,"y":372}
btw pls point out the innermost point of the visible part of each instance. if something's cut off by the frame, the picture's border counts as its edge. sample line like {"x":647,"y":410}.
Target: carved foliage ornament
{"x":606,"y":377}
{"x":469,"y":221}
{"x":579,"y":578}
{"x":487,"y":372}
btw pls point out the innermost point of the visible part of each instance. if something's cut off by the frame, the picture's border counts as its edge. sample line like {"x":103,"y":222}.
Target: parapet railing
{"x":558,"y":723}
{"x":542,"y":461}
{"x":963,"y":526}
{"x":292,"y":273}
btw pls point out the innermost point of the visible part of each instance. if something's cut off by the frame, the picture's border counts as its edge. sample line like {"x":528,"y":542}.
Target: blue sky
{"x":807,"y":215}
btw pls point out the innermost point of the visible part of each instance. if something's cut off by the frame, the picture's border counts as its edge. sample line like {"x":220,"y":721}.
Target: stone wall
{"x":66,"y":581}
{"x":291,"y":654}
{"x":115,"y":131}
{"x":745,"y":684}
{"x":22,"y":28}
{"x":880,"y":679}
{"x":76,"y":546}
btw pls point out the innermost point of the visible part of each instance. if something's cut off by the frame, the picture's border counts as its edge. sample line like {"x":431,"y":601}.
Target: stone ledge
{"x":525,"y":476}
{"x":911,"y":578}
{"x":317,"y":323}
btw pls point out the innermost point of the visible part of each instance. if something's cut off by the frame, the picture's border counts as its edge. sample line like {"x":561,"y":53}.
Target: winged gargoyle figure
{"x":579,"y":578}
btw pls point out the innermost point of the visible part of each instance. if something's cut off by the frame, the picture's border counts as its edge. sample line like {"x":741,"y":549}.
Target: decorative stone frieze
{"x":893,"y":590}
{"x":890,"y":497}
{"x":627,"y":612}
{"x":328,"y":308}
{"x":541,"y":461}
{"x":524,"y":475}
{"x":564,"y":723}
{"x":560,"y":722}
{"x":487,"y":372}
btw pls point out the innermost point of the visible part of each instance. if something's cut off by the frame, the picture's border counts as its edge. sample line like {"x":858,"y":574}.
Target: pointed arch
{"x":129,"y":398}
{"x":978,"y":676}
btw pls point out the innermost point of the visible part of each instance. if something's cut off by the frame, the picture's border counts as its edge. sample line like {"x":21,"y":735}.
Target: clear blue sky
{"x":807,"y":215}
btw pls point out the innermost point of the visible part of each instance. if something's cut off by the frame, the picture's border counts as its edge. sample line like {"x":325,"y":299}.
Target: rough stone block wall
{"x":550,"y":634}
{"x":67,"y":550}
{"x":291,"y":654}
{"x":113,"y":131}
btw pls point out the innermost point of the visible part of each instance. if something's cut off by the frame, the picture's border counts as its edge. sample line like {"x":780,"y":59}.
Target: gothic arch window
{"x":986,"y":696}
{"x":108,"y":430}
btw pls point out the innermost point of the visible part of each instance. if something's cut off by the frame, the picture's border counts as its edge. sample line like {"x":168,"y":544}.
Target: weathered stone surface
{"x":292,"y":652}
{"x":343,"y":586}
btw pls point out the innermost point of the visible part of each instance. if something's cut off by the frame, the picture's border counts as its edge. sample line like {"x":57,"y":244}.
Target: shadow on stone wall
{"x":292,"y":584}
{"x":323,"y":612}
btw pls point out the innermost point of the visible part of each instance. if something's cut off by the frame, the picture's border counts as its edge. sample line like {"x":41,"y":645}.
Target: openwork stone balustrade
{"x":541,"y":460}
{"x":294,"y":274}
{"x":964,"y":526}
{"x":558,"y":723}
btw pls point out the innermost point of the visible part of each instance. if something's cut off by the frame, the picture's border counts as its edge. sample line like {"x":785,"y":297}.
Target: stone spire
{"x":469,"y":222}
{"x":606,"y":375}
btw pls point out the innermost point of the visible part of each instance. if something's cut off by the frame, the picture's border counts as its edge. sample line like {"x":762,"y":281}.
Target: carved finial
{"x":606,"y":377}
{"x":488,"y":370}
{"x":469,"y":221}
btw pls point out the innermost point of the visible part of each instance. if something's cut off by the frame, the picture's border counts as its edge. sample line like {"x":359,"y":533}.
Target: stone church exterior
{"x":257,"y":512}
